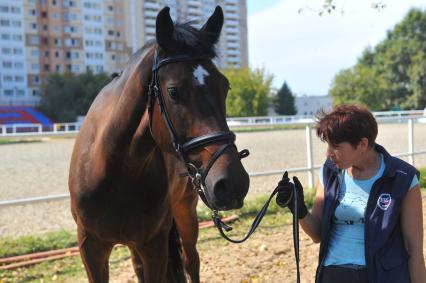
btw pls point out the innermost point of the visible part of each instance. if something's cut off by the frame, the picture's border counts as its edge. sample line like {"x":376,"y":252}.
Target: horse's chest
{"x":127,"y":215}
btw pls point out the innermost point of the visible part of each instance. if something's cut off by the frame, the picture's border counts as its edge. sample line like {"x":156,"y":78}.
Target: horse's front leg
{"x":94,"y":254}
{"x":185,"y":215}
{"x":155,"y":255}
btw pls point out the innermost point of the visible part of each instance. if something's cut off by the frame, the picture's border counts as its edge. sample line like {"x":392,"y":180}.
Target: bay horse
{"x":154,"y":137}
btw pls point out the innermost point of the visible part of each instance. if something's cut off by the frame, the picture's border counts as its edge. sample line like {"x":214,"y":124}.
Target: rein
{"x":196,"y":174}
{"x":222,"y":226}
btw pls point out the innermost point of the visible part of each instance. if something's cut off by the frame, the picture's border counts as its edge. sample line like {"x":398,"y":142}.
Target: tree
{"x":360,"y":85}
{"x":284,"y":101}
{"x":68,"y":95}
{"x":392,"y":74}
{"x":249,"y":93}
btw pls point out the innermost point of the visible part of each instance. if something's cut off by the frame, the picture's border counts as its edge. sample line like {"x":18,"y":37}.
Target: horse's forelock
{"x":192,"y":41}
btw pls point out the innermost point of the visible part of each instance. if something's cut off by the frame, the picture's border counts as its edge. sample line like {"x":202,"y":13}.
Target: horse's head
{"x":189,"y":118}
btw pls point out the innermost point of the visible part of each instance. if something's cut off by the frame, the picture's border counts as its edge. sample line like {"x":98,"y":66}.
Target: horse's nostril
{"x":226,"y":194}
{"x":222,"y":190}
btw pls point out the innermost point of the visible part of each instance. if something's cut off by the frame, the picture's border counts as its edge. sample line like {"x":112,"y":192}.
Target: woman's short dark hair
{"x":346,"y":123}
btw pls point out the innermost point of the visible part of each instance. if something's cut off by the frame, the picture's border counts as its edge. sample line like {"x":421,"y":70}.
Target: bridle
{"x":197,"y":175}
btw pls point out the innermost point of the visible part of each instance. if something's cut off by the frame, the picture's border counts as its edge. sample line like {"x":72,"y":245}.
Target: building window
{"x":8,"y":92}
{"x":4,"y":23}
{"x":57,"y":42}
{"x":6,"y":50}
{"x":34,"y":39}
{"x":16,"y":24}
{"x":35,"y":67}
{"x":7,"y":64}
{"x":17,"y":37}
{"x":17,"y":51}
{"x":19,"y":65}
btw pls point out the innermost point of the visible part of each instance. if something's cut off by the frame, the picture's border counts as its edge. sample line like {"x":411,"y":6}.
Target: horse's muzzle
{"x":229,"y":192}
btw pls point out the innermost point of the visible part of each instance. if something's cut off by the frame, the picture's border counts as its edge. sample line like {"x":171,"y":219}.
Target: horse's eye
{"x":173,"y":92}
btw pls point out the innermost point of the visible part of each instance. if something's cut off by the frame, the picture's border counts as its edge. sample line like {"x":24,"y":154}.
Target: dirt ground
{"x":38,"y":169}
{"x":267,"y":257}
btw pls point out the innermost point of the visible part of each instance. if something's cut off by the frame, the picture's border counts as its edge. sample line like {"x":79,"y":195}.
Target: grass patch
{"x":17,"y":141}
{"x":38,"y":243}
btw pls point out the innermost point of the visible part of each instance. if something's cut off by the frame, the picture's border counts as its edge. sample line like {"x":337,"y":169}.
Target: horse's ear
{"x":214,"y":24}
{"x":164,"y":28}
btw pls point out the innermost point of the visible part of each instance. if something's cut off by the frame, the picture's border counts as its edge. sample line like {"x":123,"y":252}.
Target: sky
{"x":307,"y":50}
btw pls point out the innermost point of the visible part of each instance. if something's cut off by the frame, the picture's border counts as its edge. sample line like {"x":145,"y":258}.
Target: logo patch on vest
{"x":384,"y":201}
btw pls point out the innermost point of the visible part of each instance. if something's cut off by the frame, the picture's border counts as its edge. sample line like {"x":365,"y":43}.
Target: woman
{"x":367,"y":212}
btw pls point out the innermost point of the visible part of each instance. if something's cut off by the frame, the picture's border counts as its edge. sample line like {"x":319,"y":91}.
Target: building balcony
{"x":151,"y":5}
{"x":151,"y":14}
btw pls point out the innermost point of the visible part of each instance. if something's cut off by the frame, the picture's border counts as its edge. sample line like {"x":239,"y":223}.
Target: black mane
{"x":188,"y":40}
{"x":192,"y":41}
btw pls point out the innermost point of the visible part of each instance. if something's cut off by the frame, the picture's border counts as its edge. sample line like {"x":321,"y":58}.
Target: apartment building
{"x":232,"y":47}
{"x":40,"y":37}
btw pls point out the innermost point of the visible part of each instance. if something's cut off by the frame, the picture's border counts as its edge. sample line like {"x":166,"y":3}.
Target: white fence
{"x":31,"y":130}
{"x":409,"y":117}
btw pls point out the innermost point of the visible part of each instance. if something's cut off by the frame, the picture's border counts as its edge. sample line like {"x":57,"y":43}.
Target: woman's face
{"x":343,"y":155}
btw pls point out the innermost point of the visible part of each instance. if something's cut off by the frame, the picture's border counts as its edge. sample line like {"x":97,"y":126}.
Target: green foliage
{"x":68,"y":95}
{"x":361,"y":85}
{"x":422,"y":178}
{"x":31,"y":244}
{"x":392,"y":74}
{"x":284,"y":101}
{"x":249,"y":93}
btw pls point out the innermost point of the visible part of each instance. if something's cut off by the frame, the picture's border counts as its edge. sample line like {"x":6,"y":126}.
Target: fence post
{"x":39,"y":128}
{"x":410,"y":141}
{"x":309,"y":156}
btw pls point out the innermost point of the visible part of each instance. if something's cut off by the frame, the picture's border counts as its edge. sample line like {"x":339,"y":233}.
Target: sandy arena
{"x":40,"y":169}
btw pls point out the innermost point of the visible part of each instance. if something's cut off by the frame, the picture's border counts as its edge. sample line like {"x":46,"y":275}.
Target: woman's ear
{"x":364,"y":143}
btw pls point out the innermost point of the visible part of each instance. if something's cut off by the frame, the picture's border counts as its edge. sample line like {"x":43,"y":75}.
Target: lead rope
{"x":296,"y":233}
{"x":222,"y":226}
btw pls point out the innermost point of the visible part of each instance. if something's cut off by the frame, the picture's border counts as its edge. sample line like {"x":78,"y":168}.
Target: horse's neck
{"x":126,"y":115}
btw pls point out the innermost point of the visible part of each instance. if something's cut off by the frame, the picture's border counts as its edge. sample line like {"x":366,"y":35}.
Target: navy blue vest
{"x":385,"y":254}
